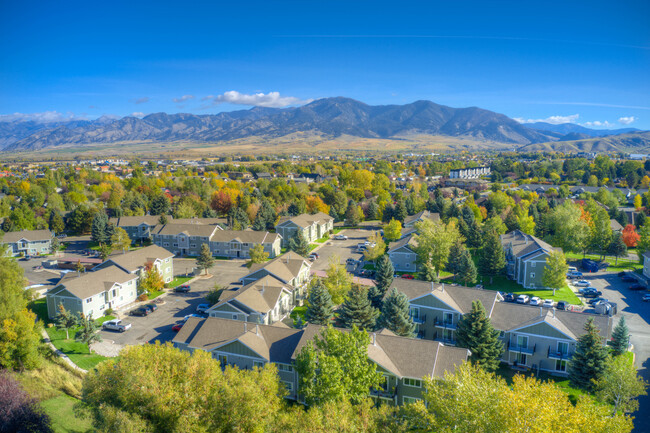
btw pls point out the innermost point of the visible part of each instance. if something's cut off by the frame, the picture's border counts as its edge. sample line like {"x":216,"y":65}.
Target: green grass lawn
{"x":155,"y":294}
{"x":298,"y":312}
{"x":336,"y":231}
{"x":623,"y":264}
{"x":76,"y":351}
{"x":104,"y":319}
{"x":503,"y":284}
{"x":323,"y":239}
{"x":312,"y":247}
{"x":178,"y":281}
{"x":64,"y":420}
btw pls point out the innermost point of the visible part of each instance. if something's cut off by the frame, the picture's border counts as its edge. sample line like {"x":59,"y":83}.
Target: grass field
{"x":178,"y":281}
{"x":623,"y":264}
{"x":503,"y":284}
{"x":61,"y":412}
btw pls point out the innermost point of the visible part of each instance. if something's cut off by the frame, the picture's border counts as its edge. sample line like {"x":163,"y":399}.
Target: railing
{"x":381,"y":393}
{"x":522,"y":349}
{"x":444,"y":324}
{"x":553,"y":354}
{"x":420,"y":320}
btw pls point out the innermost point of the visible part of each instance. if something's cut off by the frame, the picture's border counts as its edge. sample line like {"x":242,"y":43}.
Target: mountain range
{"x":330,"y":117}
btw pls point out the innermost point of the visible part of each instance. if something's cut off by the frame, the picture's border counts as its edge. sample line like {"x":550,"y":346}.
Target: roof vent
{"x":443,"y":287}
{"x":245,"y":327}
{"x":374,"y":339}
{"x":541,"y":311}
{"x":257,"y":329}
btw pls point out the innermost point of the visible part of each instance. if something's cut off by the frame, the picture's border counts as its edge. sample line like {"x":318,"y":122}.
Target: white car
{"x":646,"y":298}
{"x":523,"y":299}
{"x":581,"y":283}
{"x":202,"y":308}
{"x":548,"y":303}
{"x":116,"y":325}
{"x":341,"y":237}
{"x":535,"y":300}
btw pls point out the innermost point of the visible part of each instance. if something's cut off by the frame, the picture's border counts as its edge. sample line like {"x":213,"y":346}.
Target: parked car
{"x":115,"y":325}
{"x":509,"y":297}
{"x":621,"y":274}
{"x":202,"y":308}
{"x":350,"y":261}
{"x":562,"y":305}
{"x":582,"y":283}
{"x":183,"y":288}
{"x":366,"y":273}
{"x":646,"y":297}
{"x":140,"y":311}
{"x":523,"y":299}
{"x":573,"y":274}
{"x":535,"y":300}
{"x":340,"y":237}
{"x":628,"y":279}
{"x":637,"y":287}
{"x":151,"y":307}
{"x":592,"y":294}
{"x":594,"y":301}
{"x":314,"y":256}
{"x":407,"y":276}
{"x":177,"y":327}
{"x":548,"y":303}
{"x":186,"y":318}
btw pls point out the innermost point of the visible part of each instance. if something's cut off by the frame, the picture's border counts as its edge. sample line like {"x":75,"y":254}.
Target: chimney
{"x":245,"y":327}
{"x":374,"y":339}
{"x":257,"y":329}
{"x":432,"y":286}
{"x":541,"y":311}
{"x":554,"y":313}
{"x":443,"y":287}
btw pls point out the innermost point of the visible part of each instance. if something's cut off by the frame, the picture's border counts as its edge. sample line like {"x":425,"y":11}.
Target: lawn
{"x":76,"y":351}
{"x":623,"y":264}
{"x":178,"y":281}
{"x":155,"y":294}
{"x":312,"y":247}
{"x":503,"y":284}
{"x":298,"y":312}
{"x":561,"y":382}
{"x":61,"y":412}
{"x":323,"y":239}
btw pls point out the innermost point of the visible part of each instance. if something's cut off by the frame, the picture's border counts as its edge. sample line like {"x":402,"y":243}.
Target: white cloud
{"x":271,"y":99}
{"x":183,"y":98}
{"x":627,"y":120}
{"x":554,"y":120}
{"x":598,"y":123}
{"x":44,"y":117}
{"x":137,"y":114}
{"x":141,"y":100}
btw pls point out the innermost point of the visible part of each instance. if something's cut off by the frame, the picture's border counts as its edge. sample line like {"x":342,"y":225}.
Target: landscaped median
{"x":505,"y":285}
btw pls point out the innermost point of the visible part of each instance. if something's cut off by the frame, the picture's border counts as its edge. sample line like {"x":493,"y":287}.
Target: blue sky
{"x":579,"y":61}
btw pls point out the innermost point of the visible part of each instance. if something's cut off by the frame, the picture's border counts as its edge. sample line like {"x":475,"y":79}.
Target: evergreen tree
{"x":299,"y":244}
{"x":475,"y":332}
{"x":160,"y":205}
{"x":511,"y":221}
{"x":297,"y":207}
{"x":428,"y":273}
{"x":473,"y":236}
{"x":493,"y":258}
{"x":384,"y":273}
{"x":105,"y":250}
{"x":265,"y":218}
{"x":395,"y":314}
{"x":238,"y":219}
{"x":455,"y":253}
{"x":98,"y":228}
{"x":589,"y":360}
{"x":88,"y":332}
{"x":373,"y":210}
{"x":320,"y":309}
{"x":205,"y":259}
{"x":56,"y":222}
{"x":357,"y":310}
{"x":617,"y":247}
{"x":620,"y":337}
{"x":466,"y":268}
{"x":352,"y":214}
{"x":163,"y":220}
{"x":400,"y":212}
{"x":65,"y":320}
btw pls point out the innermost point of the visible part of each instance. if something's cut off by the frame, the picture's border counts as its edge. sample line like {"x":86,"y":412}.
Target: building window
{"x":223,"y":359}
{"x":522,"y":341}
{"x":409,"y":400}
{"x":532,"y":264}
{"x":415,"y":383}
{"x":407,"y":265}
{"x":258,"y":364}
{"x":532,"y":275}
{"x":89,"y":300}
{"x":560,"y":365}
{"x":234,"y":317}
{"x":288,"y":385}
{"x":563,"y":347}
{"x":284,"y":367}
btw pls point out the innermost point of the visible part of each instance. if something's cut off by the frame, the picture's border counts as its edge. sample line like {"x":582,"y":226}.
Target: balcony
{"x":512,"y":347}
{"x":381,"y":393}
{"x":420,"y":320}
{"x":445,"y":324}
{"x":553,"y":354}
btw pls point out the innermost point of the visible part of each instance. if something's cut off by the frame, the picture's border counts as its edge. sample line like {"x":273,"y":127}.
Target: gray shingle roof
{"x":92,"y":283}
{"x":425,"y":214}
{"x":188,"y":229}
{"x":286,"y":267}
{"x":247,"y":236}
{"x":30,"y":235}
{"x":306,"y":220}
{"x":133,"y":260}
{"x":261,"y":295}
{"x":459,"y":298}
{"x":523,"y":244}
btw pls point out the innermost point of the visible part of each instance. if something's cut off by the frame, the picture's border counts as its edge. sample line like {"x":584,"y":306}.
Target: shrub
{"x":109,"y":312}
{"x":143,"y":297}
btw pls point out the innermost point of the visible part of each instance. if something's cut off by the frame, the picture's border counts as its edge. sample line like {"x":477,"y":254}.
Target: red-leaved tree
{"x":630,"y":236}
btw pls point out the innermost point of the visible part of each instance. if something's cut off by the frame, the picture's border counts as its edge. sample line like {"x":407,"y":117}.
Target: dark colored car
{"x":594,"y":301}
{"x":627,"y":279}
{"x":621,"y":274}
{"x":140,"y":311}
{"x":562,"y":305}
{"x":594,"y":294}
{"x":177,"y":327}
{"x":637,"y":287}
{"x":509,"y":297}
{"x":151,"y":307}
{"x":183,"y":288}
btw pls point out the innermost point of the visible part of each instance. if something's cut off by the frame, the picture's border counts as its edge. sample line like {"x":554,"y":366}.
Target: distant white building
{"x":469,"y":173}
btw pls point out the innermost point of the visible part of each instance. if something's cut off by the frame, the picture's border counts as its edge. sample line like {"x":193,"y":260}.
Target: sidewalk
{"x":60,"y":354}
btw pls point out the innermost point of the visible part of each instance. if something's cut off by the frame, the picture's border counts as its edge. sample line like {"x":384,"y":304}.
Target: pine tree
{"x":98,"y":228}
{"x":56,"y":222}
{"x":620,"y":337}
{"x":265,"y":218}
{"x":160,"y":205}
{"x":475,"y":332}
{"x":205,"y":259}
{"x":357,"y":310}
{"x":384,"y":273}
{"x":493,"y":258}
{"x":299,"y":244}
{"x":352,"y":214}
{"x":428,"y":273}
{"x":455,"y":253}
{"x":466,"y":268}
{"x":88,"y":332}
{"x":320,"y":308}
{"x":400,"y":211}
{"x":617,"y":247}
{"x":65,"y":320}
{"x":395,"y":314}
{"x":589,"y":360}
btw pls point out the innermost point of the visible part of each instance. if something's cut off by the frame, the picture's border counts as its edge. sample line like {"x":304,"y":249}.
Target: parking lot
{"x":345,"y":249}
{"x":637,"y":316}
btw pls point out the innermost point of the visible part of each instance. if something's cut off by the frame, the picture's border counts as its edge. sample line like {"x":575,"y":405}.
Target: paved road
{"x":637,"y":316}
{"x":344,"y":249}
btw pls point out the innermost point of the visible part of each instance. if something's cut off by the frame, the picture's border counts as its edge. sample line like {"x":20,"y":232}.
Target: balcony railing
{"x":420,"y":320}
{"x":382,"y":393}
{"x":553,"y":354}
{"x":445,"y":324}
{"x":522,"y":349}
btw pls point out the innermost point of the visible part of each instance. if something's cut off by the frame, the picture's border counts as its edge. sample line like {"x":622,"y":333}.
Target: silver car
{"x":115,"y":325}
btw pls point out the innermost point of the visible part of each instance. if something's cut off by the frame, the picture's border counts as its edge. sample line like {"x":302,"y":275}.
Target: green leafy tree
{"x":357,"y":310}
{"x":56,"y":223}
{"x":493,"y":258}
{"x":617,"y":247}
{"x":434,"y":241}
{"x":334,"y":367}
{"x":105,"y":250}
{"x":320,"y":309}
{"x":589,"y":361}
{"x":620,"y":337}
{"x":620,"y":385}
{"x":643,"y":244}
{"x":555,"y":270}
{"x":384,"y":274}
{"x":428,"y":273}
{"x":393,"y":230}
{"x":257,"y":254}
{"x":299,"y":244}
{"x":151,"y":280}
{"x":120,"y":240}
{"x":65,"y":320}
{"x":205,"y":259}
{"x":466,"y":268}
{"x":476,"y":333}
{"x":337,"y":280}
{"x":88,"y":334}
{"x":376,"y":249}
{"x":395,"y":314}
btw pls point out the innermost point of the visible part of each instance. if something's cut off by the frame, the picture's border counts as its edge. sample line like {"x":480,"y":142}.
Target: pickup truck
{"x":116,"y":325}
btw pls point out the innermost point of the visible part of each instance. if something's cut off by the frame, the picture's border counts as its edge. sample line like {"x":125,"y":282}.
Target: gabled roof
{"x":92,"y":283}
{"x":30,"y":235}
{"x":131,"y":221}
{"x":458,"y":298}
{"x":285,"y":267}
{"x":408,"y":241}
{"x":306,"y":220}
{"x":523,"y":244}
{"x":134,"y":260}
{"x":615,"y":225}
{"x":425,"y":214}
{"x":244,"y":236}
{"x":261,"y":296}
{"x":174,"y":229}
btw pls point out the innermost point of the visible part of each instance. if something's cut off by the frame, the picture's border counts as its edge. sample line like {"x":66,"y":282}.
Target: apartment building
{"x":525,"y":258}
{"x":312,"y":227}
{"x":136,"y":262}
{"x":28,"y":242}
